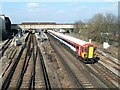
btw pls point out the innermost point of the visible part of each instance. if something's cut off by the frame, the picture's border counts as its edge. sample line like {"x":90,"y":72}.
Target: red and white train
{"x":86,"y":51}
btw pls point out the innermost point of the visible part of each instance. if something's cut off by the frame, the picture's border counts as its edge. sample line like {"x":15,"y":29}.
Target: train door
{"x":79,"y":51}
{"x":77,"y":48}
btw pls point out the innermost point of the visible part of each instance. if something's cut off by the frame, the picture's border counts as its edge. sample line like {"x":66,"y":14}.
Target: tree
{"x":101,"y":24}
{"x":78,"y":25}
{"x":99,"y":27}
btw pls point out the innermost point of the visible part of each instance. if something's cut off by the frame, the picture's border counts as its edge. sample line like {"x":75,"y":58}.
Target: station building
{"x":5,"y":27}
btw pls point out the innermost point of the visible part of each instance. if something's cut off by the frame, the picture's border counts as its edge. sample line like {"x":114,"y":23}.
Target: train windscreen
{"x":90,"y":51}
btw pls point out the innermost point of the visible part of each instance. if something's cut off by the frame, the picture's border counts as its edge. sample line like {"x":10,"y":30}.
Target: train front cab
{"x":87,"y":53}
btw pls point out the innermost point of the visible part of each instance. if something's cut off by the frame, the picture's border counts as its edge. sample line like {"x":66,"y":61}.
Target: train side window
{"x":77,"y":47}
{"x":84,"y":49}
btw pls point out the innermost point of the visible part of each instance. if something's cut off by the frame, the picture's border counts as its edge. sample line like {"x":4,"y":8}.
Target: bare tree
{"x":78,"y":26}
{"x":101,"y":26}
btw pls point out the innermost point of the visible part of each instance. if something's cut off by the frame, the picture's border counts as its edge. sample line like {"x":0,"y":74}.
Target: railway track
{"x":5,"y":46}
{"x":112,"y":65}
{"x":79,"y":73}
{"x":112,"y":80}
{"x":45,"y":79}
{"x":10,"y":54}
{"x":67,"y":67}
{"x":100,"y":71}
{"x":25,"y":71}
{"x":24,"y":67}
{"x":14,"y":70}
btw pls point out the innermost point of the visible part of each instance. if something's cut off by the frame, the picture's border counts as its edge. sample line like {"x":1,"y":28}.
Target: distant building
{"x":38,"y":23}
{"x":5,"y":27}
{"x":2,"y":22}
{"x":7,"y":23}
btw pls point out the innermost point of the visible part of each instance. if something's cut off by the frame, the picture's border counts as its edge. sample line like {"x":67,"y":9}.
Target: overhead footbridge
{"x":29,"y":25}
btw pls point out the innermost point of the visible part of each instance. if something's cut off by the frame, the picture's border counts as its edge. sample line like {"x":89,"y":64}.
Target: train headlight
{"x":85,"y":55}
{"x":95,"y":54}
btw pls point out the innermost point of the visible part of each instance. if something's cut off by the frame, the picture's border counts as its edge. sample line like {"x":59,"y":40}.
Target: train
{"x":83,"y":50}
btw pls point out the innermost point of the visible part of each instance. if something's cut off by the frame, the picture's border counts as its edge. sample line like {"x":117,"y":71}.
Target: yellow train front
{"x":87,"y":53}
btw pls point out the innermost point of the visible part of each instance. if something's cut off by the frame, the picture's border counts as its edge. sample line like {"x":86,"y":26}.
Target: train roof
{"x":71,"y":39}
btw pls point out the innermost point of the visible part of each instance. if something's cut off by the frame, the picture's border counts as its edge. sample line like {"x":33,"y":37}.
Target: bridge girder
{"x":71,"y":26}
